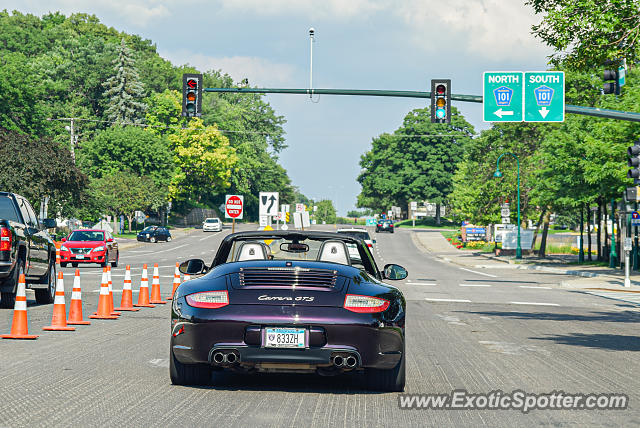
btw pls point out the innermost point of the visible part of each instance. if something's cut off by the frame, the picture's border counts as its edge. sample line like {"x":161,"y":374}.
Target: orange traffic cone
{"x":143,"y":295}
{"x":75,"y":309}
{"x":19,"y":327}
{"x":126,"y":304}
{"x":111,"y":291}
{"x":176,"y":281}
{"x":104,"y":311}
{"x":155,"y":287}
{"x":186,"y":278}
{"x":59,"y":319}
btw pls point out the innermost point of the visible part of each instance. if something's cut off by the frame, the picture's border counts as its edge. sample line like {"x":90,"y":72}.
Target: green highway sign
{"x":502,"y":96}
{"x":544,"y":96}
{"x":515,"y":96}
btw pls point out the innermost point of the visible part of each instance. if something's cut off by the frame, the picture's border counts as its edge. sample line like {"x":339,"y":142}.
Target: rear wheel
{"x":106,"y":260}
{"x":45,"y":296}
{"x":188,"y":374}
{"x":115,"y":263}
{"x":8,"y":298}
{"x":392,"y":380}
{"x":168,"y":239}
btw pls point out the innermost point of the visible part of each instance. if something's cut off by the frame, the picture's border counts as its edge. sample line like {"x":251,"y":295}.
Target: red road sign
{"x":234,"y":206}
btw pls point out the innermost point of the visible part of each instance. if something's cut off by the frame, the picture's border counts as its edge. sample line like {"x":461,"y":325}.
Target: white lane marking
{"x":430,"y":299}
{"x":420,"y":283}
{"x":160,"y":362}
{"x":474,"y":285}
{"x":206,"y":237}
{"x":480,"y":273}
{"x":535,"y":287}
{"x":534,"y":303}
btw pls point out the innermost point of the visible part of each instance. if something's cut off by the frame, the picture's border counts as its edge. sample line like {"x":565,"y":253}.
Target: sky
{"x":361,"y":44}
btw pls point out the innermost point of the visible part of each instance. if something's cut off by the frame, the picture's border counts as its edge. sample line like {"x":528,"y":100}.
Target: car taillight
{"x":365,"y":304}
{"x":5,"y":239}
{"x":369,"y":245}
{"x":208,"y":299}
{"x":390,"y":225}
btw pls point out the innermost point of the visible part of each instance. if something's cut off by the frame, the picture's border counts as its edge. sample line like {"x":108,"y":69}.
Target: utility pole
{"x":73,"y":142}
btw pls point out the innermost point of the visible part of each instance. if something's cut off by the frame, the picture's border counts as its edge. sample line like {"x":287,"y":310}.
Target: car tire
{"x":115,"y":263}
{"x":391,"y":380}
{"x":168,"y":239}
{"x":188,"y":374}
{"x":152,"y":239}
{"x":45,"y":296}
{"x":106,"y":260}
{"x":63,"y":264}
{"x":74,"y":264}
{"x":8,"y":298}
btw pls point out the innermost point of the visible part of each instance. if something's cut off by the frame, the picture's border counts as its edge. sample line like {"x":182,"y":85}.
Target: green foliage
{"x":35,"y":168}
{"x":128,"y":148}
{"x":586,"y":33}
{"x":163,"y":114}
{"x":326,"y":212}
{"x":416,"y":162}
{"x":123,"y":89}
{"x":203,"y":160}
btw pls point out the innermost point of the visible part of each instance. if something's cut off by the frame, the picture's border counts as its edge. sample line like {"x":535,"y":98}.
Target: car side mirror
{"x":110,"y":240}
{"x":394,"y":272}
{"x":193,"y":267}
{"x":64,"y":239}
{"x":49,"y":223}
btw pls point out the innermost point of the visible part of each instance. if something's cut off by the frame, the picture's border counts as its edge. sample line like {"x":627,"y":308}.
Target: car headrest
{"x":334,"y":252}
{"x":252,"y":251}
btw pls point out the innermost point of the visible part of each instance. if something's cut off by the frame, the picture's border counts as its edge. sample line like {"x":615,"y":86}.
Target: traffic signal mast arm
{"x":586,"y":111}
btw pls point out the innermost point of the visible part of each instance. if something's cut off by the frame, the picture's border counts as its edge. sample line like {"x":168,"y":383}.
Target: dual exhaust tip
{"x":345,"y":362}
{"x":228,"y":357}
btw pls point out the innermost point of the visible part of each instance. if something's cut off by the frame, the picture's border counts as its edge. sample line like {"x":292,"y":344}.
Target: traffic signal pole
{"x":586,"y":111}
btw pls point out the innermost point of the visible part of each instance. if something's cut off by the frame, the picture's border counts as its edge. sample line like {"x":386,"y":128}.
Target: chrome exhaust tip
{"x":351,"y":361}
{"x":219,"y":358}
{"x":338,"y":361}
{"x":231,"y":357}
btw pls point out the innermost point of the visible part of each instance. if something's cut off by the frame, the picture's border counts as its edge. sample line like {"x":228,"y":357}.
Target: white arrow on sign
{"x":544,"y":112}
{"x":501,"y":113}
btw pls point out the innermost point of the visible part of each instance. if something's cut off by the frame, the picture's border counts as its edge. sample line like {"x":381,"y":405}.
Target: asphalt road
{"x":479,"y":330}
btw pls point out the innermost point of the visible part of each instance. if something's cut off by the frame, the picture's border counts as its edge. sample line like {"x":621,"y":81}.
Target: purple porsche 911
{"x":289,"y":302}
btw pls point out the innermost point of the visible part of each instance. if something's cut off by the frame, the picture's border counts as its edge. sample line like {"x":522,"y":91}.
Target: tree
{"x":416,"y":162}
{"x":128,"y":148}
{"x":586,"y":33}
{"x":326,"y":211}
{"x":203,"y":160}
{"x":39,"y":167}
{"x":124,"y":192}
{"x":163,"y":114}
{"x":124,"y":89}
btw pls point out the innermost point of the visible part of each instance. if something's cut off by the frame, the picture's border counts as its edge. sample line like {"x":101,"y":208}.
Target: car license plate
{"x":79,"y":256}
{"x":275,"y":337}
{"x":385,"y":226}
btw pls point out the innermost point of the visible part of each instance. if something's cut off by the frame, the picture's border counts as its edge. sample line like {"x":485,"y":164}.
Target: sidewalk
{"x":432,"y":241}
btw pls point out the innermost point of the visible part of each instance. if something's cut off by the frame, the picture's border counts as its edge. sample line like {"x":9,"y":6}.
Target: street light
{"x":498,"y":174}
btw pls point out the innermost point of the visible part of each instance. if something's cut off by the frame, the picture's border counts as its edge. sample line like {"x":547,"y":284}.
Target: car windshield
{"x":149,"y":228}
{"x":86,"y":235}
{"x":356,"y":234}
{"x":212,"y":220}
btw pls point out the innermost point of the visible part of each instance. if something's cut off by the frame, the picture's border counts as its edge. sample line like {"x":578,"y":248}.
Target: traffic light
{"x":441,"y":101}
{"x":192,"y":95}
{"x":634,"y":161}
{"x":614,"y":79}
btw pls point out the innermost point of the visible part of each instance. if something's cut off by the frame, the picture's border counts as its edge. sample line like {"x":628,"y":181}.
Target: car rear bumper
{"x":329,"y":330}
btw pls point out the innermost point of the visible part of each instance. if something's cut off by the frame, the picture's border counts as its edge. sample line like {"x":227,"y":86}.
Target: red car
{"x":89,"y":246}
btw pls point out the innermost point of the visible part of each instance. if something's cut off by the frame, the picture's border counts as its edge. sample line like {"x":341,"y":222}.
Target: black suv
{"x":154,"y":234}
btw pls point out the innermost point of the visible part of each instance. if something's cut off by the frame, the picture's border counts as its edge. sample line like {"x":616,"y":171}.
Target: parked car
{"x":154,"y":234}
{"x":212,"y":225}
{"x":384,"y":226}
{"x":89,"y":246}
{"x":25,"y":248}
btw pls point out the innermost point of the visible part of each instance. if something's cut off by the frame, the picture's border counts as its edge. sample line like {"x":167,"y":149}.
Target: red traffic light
{"x":441,"y":89}
{"x":192,"y":83}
